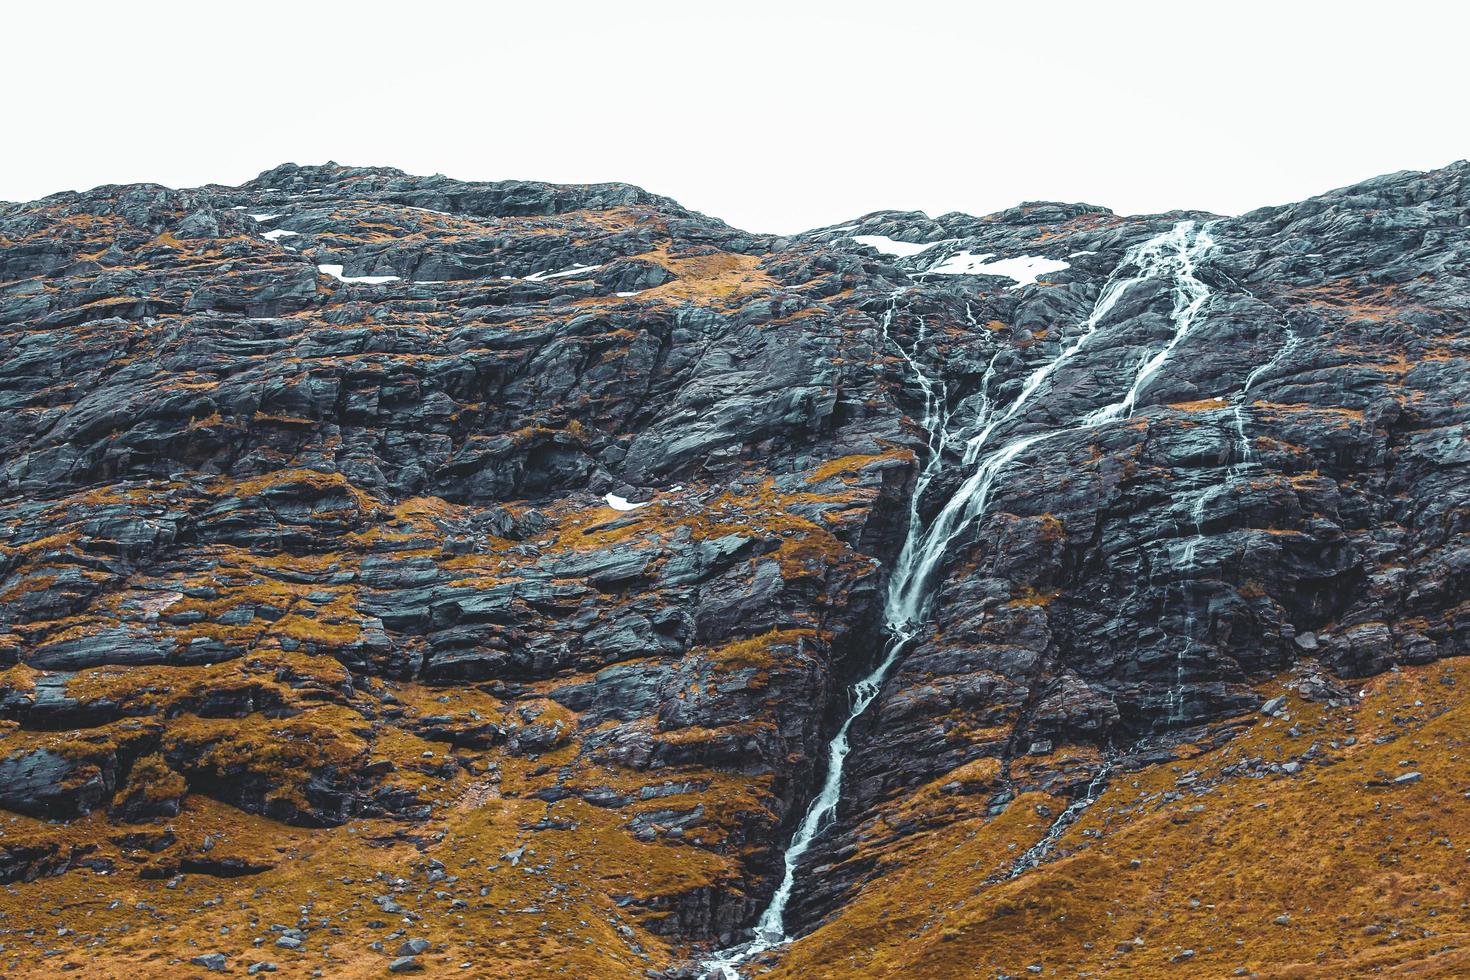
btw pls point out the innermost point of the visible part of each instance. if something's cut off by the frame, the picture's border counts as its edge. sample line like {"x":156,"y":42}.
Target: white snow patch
{"x":575,"y":270}
{"x":335,"y":271}
{"x":634,"y":292}
{"x":264,"y":217}
{"x":1073,"y":255}
{"x":892,"y":246}
{"x":621,"y":503}
{"x":1024,"y":269}
{"x":279,"y":233}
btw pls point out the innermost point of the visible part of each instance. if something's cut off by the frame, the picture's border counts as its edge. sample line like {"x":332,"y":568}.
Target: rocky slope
{"x":398,"y":572}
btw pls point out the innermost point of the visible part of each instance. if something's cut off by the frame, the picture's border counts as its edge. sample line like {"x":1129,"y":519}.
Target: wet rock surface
{"x":304,"y":517}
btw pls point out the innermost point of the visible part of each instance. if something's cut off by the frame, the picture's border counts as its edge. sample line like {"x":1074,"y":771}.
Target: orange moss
{"x":1030,"y":598}
{"x":1202,"y":405}
{"x":715,"y":279}
{"x":843,"y":465}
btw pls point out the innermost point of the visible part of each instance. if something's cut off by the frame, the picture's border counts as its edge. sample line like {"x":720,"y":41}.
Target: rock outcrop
{"x":531,"y":535}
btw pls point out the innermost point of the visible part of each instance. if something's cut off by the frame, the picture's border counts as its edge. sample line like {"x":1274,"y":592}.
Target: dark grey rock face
{"x":251,"y":499}
{"x":1289,"y":486}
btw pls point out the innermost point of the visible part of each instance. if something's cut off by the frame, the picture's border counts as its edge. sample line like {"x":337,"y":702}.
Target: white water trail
{"x":1174,"y":701}
{"x":1037,"y":852}
{"x":1173,"y":253}
{"x":770,"y":929}
{"x":1112,"y":291}
{"x":1241,"y":412}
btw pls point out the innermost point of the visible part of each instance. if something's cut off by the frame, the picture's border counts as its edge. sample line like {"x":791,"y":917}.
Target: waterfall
{"x":1240,"y":412}
{"x":1174,"y":702}
{"x":1173,"y":254}
{"x":1037,"y":852}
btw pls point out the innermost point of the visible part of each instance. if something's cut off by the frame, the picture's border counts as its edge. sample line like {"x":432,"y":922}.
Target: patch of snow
{"x":264,"y":217}
{"x":621,"y":503}
{"x":335,"y":271}
{"x":279,"y":233}
{"x":960,"y":264}
{"x":575,"y":270}
{"x":833,"y":231}
{"x":1073,"y":255}
{"x":891,"y":246}
{"x":1024,"y":269}
{"x":634,"y":292}
{"x":427,"y":210}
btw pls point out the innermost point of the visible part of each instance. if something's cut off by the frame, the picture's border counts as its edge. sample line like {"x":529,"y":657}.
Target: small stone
{"x":413,"y":947}
{"x":1274,"y":705}
{"x":1282,"y":919}
{"x":1409,"y":777}
{"x":213,"y":962}
{"x":288,"y":942}
{"x":405,"y":964}
{"x":264,"y":966}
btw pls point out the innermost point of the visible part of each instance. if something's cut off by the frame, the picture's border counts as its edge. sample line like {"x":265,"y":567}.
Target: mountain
{"x":520,"y":580}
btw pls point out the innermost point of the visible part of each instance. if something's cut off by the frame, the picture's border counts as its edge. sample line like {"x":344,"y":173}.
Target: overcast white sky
{"x":774,"y":116}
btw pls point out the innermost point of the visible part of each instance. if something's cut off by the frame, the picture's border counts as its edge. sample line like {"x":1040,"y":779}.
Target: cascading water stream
{"x":1174,"y":703}
{"x":1174,"y":253}
{"x":770,"y":929}
{"x":1242,"y":437}
{"x":1037,"y":852}
{"x":1177,"y":253}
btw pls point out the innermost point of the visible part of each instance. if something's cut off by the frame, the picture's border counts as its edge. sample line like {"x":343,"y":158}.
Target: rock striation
{"x":396,"y":529}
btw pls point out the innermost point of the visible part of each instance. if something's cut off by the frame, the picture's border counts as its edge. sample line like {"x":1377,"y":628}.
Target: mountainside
{"x":525,"y":580}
